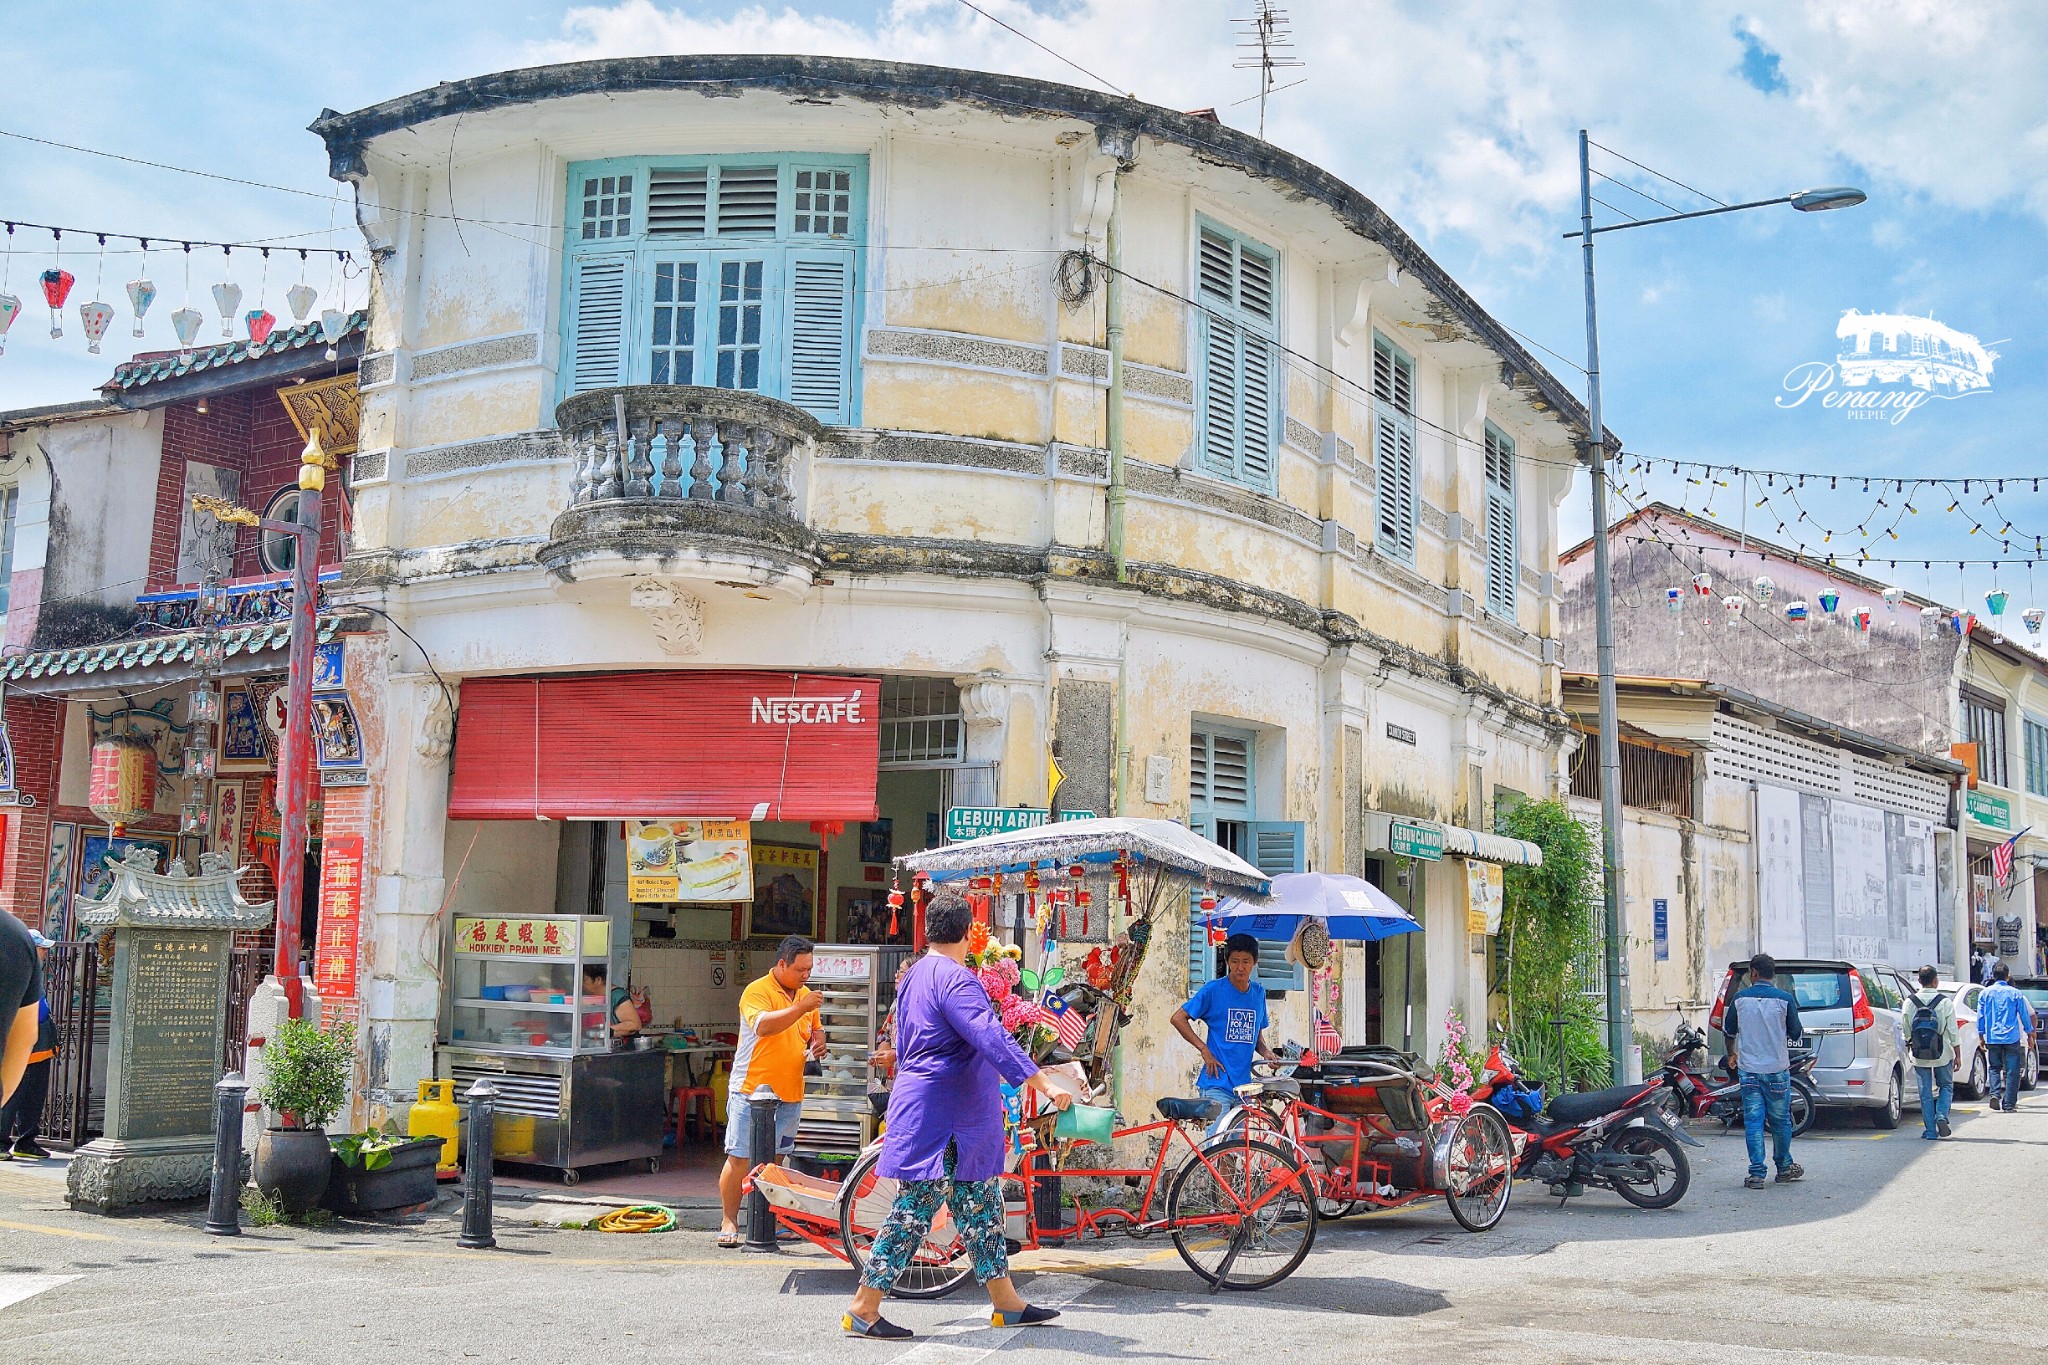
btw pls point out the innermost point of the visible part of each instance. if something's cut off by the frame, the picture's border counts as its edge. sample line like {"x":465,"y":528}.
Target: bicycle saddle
{"x":1177,"y":1109}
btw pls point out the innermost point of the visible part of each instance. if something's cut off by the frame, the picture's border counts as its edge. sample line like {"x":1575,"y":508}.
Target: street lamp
{"x":294,"y":761}
{"x":1620,"y":1025}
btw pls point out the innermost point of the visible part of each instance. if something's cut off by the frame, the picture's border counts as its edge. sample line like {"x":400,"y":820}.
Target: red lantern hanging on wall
{"x":122,"y":786}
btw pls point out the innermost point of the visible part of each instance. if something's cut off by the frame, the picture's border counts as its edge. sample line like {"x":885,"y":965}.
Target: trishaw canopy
{"x":1162,"y":843}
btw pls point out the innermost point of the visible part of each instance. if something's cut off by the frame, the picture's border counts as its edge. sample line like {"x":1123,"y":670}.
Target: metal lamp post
{"x":1620,"y":1023}
{"x":294,"y":777}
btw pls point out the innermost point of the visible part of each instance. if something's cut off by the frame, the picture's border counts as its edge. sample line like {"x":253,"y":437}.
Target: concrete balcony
{"x":682,"y":483}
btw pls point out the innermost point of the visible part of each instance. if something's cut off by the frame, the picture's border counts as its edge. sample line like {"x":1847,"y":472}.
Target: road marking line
{"x":937,"y":1349}
{"x":59,"y":1232}
{"x":15,"y":1287}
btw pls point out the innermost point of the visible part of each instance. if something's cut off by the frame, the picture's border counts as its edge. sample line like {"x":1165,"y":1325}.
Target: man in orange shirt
{"x":778,"y":1029}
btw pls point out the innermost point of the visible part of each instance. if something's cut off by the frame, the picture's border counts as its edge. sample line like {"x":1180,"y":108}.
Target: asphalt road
{"x":1892,"y":1249}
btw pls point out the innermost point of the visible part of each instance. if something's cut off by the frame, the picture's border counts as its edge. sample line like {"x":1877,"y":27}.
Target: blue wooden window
{"x":1393,"y":391}
{"x":738,"y":272}
{"x":1239,"y":371}
{"x":2036,"y":733}
{"x":1222,"y":789}
{"x":1503,"y":560}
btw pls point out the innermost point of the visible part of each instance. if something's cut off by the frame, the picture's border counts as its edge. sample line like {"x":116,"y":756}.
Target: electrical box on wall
{"x":1159,"y":779}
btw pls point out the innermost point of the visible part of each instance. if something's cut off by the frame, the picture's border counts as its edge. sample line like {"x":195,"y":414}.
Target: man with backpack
{"x":1936,"y":1050}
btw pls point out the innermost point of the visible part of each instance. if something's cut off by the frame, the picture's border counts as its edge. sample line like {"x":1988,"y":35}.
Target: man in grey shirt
{"x":1761,"y":1023}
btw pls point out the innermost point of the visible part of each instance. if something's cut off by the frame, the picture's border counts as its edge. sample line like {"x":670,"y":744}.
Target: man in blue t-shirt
{"x":1233,"y":1006}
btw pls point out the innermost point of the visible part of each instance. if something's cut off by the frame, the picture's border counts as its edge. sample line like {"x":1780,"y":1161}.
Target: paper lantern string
{"x":10,"y":306}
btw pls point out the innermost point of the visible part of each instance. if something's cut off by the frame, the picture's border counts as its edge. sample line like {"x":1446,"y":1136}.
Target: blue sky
{"x":1458,"y":117}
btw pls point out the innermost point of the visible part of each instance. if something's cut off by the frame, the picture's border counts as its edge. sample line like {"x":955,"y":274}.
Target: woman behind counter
{"x":944,"y":1141}
{"x":625,"y":1014}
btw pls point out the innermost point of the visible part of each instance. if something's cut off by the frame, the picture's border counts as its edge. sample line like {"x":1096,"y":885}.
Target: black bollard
{"x":224,"y":1204}
{"x":476,"y":1169}
{"x":760,"y":1152}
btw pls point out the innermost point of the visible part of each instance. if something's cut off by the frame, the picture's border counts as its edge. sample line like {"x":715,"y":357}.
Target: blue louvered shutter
{"x":1201,"y":958}
{"x":820,"y":334}
{"x":599,"y":316}
{"x":1503,"y":561}
{"x":1393,"y":383}
{"x":1278,"y":846}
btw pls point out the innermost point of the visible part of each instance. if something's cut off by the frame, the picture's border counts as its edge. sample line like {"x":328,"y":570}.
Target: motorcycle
{"x":1617,"y":1138}
{"x":1694,"y":1094}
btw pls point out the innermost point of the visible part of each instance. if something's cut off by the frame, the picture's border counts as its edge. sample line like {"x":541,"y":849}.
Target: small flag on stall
{"x":1327,"y":1037}
{"x":2001,"y":860}
{"x":1066,"y":1021}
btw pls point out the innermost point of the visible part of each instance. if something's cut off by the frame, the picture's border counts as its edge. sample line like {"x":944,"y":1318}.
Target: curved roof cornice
{"x":905,"y":83}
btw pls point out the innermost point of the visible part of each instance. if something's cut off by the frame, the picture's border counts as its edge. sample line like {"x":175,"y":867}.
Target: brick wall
{"x":251,"y":433}
{"x":35,"y":727}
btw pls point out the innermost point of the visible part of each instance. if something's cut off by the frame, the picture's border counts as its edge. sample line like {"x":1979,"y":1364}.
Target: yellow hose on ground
{"x":638,"y":1218}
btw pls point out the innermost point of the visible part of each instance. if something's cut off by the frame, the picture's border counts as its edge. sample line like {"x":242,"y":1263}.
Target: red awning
{"x":759,"y":746}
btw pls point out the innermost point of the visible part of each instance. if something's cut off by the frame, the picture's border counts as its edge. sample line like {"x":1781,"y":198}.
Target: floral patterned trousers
{"x":977,"y":1209}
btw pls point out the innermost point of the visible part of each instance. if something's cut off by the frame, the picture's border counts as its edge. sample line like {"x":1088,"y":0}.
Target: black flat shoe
{"x":1030,"y":1317}
{"x":881,"y":1328}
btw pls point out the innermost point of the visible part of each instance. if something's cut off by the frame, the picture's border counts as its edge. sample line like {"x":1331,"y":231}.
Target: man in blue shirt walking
{"x":2004,"y":1019}
{"x":1233,"y":1006}
{"x":1761,"y":1023}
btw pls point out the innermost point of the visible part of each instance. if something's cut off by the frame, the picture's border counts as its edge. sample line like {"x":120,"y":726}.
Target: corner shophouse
{"x":861,"y":368}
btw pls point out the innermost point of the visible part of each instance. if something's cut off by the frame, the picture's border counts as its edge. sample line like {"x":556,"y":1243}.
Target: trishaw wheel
{"x":864,"y":1201}
{"x":1329,"y":1209}
{"x":1482,"y":1169}
{"x":1242,"y":1250}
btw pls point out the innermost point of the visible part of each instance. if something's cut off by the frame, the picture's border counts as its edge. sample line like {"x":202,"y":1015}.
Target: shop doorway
{"x":1397,"y":969}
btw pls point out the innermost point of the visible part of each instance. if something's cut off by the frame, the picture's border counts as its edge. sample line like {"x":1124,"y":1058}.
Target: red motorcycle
{"x":1617,"y":1138}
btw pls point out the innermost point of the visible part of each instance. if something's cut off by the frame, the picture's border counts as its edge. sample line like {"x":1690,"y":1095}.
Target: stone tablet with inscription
{"x":167,"y":1029}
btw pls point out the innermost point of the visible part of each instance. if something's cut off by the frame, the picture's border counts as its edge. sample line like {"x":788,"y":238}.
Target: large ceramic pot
{"x":292,"y":1166}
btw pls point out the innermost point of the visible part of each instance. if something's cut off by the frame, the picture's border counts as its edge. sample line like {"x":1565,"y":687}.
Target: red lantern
{"x":895,"y":904}
{"x":1208,"y":903}
{"x":122,"y":785}
{"x":1077,"y":871}
{"x":1031,"y":879}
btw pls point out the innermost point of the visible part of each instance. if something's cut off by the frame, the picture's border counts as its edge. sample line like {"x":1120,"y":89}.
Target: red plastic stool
{"x":693,"y":1104}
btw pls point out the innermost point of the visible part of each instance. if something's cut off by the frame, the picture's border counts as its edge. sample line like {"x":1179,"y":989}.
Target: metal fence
{"x":77,"y":993}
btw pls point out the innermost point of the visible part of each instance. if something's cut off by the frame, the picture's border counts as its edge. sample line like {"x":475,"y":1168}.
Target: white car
{"x":1973,"y":1078}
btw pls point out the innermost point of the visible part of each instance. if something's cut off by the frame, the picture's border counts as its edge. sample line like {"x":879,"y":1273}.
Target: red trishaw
{"x":1240,"y":1207}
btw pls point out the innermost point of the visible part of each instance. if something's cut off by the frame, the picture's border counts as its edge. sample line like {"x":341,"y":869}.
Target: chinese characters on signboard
{"x":341,"y":911}
{"x":522,"y":936}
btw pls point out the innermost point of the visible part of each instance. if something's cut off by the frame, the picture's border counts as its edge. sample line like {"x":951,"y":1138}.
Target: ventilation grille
{"x":538,"y":1096}
{"x":675,"y":203}
{"x":1749,"y":753}
{"x":1393,"y":378}
{"x":746,"y":201}
{"x":1880,"y":784}
{"x":1255,"y":284}
{"x":1216,"y":268}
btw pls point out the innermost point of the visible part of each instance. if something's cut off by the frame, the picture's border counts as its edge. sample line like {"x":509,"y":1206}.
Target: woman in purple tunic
{"x":945,"y":1136}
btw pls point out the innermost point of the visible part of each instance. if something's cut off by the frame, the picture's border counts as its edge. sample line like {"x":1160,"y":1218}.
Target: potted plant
{"x":305,"y":1081}
{"x":381,"y":1171}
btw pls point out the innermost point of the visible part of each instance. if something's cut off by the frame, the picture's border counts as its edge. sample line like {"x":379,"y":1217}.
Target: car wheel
{"x":1894,"y":1108}
{"x":2032,"y":1077}
{"x":1980,"y":1076}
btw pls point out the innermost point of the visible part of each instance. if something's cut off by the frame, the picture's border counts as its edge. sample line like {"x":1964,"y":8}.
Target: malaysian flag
{"x":1066,"y":1021}
{"x":1327,"y":1038}
{"x":2001,"y":860}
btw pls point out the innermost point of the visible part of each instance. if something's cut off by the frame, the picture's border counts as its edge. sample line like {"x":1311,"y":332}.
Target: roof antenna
{"x":1267,"y":31}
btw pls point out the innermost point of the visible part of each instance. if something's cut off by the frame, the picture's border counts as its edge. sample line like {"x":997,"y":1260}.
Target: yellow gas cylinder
{"x":721,"y":1081}
{"x":434,"y":1115}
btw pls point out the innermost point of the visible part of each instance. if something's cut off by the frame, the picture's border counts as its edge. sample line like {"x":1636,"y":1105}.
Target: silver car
{"x":1855,"y":1018}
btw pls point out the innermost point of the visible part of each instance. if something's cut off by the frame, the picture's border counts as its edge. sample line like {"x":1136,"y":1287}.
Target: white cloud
{"x":1461,"y":117}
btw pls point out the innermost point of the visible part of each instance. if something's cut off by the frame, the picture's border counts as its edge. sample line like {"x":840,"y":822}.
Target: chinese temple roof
{"x":143,"y":898}
{"x":173,"y":365}
{"x":239,"y":642}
